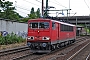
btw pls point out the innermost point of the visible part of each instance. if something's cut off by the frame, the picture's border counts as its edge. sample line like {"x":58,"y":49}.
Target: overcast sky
{"x":80,"y":7}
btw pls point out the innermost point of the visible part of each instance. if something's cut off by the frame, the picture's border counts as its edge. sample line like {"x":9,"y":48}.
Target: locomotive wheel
{"x":53,"y":47}
{"x":58,"y":46}
{"x":66,"y":43}
{"x":62,"y":44}
{"x":73,"y":40}
{"x":69,"y":42}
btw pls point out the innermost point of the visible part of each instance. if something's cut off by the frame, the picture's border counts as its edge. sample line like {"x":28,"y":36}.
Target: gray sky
{"x":80,"y":7}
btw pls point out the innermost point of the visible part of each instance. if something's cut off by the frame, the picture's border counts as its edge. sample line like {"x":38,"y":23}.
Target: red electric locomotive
{"x":45,"y":35}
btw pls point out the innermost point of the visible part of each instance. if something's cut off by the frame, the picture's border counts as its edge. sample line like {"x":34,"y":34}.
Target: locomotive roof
{"x":54,"y":21}
{"x":63,"y":23}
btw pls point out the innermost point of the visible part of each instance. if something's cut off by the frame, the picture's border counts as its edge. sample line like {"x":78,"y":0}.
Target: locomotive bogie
{"x":39,"y":47}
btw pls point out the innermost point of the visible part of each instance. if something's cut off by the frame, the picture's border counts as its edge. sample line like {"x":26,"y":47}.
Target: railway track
{"x":13,"y":50}
{"x":63,"y":54}
{"x":81,"y":54}
{"x":88,"y":57}
{"x":54,"y":54}
{"x":9,"y":54}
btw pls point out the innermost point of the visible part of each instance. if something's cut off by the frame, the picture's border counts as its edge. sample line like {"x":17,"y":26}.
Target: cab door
{"x":58,"y":31}
{"x":55,"y":32}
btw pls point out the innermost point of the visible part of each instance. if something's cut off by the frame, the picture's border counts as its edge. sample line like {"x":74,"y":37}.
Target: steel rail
{"x":14,"y":50}
{"x":71,"y":57}
{"x":87,"y":58}
{"x":18,"y":58}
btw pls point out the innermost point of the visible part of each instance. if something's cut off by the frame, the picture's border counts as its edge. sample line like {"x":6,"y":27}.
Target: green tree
{"x":7,"y":11}
{"x":38,"y":13}
{"x":32,"y":14}
{"x":24,"y":19}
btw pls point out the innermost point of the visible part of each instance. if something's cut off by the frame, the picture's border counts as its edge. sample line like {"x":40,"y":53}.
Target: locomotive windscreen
{"x":39,"y":25}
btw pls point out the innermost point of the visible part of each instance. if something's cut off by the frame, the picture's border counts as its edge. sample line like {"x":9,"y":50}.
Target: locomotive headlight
{"x":31,"y":38}
{"x":28,"y":38}
{"x":29,"y":44}
{"x":44,"y":44}
{"x":46,"y":38}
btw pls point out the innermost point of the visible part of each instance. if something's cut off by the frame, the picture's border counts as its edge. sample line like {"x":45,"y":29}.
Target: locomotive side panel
{"x":62,"y":32}
{"x":66,"y":36}
{"x":66,"y":31}
{"x":54,"y":33}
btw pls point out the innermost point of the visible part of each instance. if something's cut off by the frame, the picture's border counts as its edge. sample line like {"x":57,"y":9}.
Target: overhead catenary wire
{"x":58,"y":3}
{"x":22,"y":8}
{"x":24,"y":13}
{"x":87,"y":5}
{"x":31,"y":3}
{"x":61,"y":4}
{"x":21,"y":11}
{"x":35,"y":4}
{"x":38,"y":1}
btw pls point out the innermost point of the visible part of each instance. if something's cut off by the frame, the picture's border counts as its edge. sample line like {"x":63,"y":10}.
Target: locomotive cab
{"x":38,"y":35}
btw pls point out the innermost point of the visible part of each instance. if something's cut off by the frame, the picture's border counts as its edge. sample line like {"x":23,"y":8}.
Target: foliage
{"x":38,"y":13}
{"x":85,"y":27}
{"x":7,"y":11}
{"x":24,"y":20}
{"x":10,"y":39}
{"x":34,"y":14}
